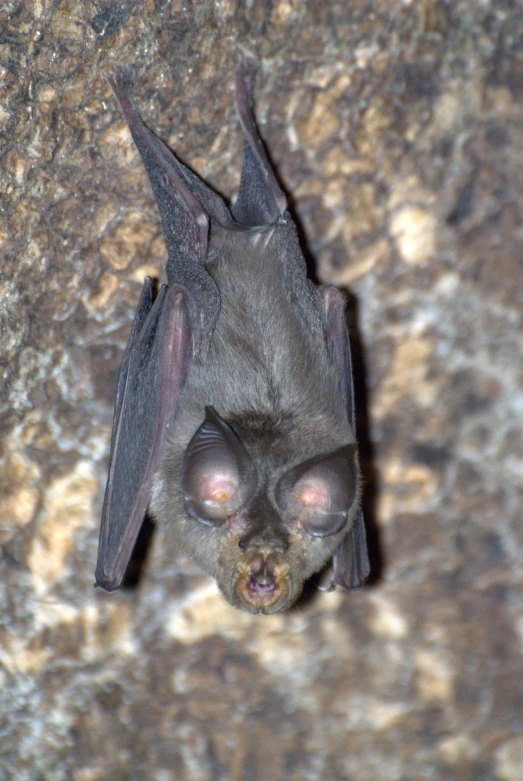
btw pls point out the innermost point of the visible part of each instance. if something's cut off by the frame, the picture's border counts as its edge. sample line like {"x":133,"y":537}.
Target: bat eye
{"x":318,"y":494}
{"x":218,"y":475}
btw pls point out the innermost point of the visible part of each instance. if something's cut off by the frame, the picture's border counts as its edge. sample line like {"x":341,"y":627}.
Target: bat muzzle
{"x":262,"y":582}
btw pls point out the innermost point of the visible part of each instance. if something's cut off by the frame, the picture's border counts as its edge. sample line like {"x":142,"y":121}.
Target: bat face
{"x":256,"y":524}
{"x":234,"y":419}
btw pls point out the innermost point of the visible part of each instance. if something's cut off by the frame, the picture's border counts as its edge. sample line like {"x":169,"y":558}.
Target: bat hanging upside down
{"x":234,"y":417}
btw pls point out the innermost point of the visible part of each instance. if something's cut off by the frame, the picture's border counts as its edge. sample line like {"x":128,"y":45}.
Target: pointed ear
{"x":319,"y":493}
{"x":218,"y":476}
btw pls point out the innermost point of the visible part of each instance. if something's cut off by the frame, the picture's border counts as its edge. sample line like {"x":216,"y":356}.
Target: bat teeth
{"x":262,"y":582}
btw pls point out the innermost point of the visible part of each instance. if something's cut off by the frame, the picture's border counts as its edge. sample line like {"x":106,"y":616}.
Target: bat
{"x":234,"y":416}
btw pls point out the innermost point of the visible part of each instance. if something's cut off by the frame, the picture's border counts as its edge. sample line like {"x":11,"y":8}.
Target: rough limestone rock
{"x":398,"y":129}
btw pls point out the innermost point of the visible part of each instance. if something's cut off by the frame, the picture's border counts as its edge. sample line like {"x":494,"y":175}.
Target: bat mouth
{"x":255,"y":586}
{"x":262,"y":583}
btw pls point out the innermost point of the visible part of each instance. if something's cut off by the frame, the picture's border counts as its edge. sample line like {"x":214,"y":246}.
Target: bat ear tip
{"x":121,"y":79}
{"x":249,"y":62}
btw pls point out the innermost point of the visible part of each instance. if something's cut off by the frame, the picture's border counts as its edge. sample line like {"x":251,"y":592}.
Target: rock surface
{"x":398,"y":129}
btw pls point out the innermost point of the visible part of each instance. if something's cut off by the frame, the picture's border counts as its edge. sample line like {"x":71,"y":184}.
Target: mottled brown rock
{"x":397,"y":128}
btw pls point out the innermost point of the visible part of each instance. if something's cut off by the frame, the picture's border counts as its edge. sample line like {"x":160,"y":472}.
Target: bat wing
{"x":350,"y":560}
{"x":260,"y":201}
{"x":187,"y":207}
{"x":151,"y":375}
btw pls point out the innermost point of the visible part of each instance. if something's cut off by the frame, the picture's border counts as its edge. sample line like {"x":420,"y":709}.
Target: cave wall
{"x":397,"y":127}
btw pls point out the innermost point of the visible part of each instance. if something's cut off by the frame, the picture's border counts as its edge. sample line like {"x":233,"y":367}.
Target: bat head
{"x":274,"y":533}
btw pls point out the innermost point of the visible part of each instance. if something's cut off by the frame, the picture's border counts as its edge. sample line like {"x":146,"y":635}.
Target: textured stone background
{"x":398,"y":129}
